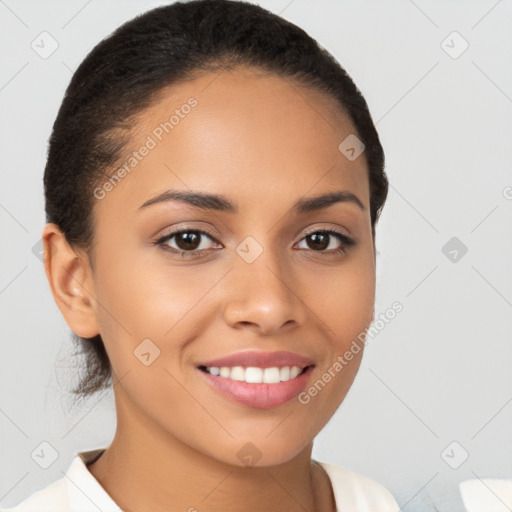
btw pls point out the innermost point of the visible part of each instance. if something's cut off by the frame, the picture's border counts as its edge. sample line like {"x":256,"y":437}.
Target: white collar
{"x":84,"y":491}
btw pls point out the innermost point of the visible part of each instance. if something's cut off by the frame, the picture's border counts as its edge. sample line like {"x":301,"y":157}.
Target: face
{"x":253,"y":280}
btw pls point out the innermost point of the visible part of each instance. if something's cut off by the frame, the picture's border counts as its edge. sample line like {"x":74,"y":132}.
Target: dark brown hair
{"x":124,"y":73}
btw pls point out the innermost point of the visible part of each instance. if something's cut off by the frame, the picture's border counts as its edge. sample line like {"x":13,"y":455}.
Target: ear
{"x":70,"y":277}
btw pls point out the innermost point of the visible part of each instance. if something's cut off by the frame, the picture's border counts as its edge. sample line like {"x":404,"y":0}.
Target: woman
{"x":213,"y":184}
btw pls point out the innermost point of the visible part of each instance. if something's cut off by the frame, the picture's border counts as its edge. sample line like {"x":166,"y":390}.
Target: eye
{"x":187,"y":242}
{"x":320,"y":240}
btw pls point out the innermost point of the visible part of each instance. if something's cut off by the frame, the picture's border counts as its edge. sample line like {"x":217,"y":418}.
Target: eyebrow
{"x":220,"y":203}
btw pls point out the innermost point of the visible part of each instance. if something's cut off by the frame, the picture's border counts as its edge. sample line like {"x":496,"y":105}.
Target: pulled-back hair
{"x":123,"y":75}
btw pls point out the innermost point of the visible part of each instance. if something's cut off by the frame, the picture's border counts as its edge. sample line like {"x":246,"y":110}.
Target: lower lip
{"x":262,"y":396}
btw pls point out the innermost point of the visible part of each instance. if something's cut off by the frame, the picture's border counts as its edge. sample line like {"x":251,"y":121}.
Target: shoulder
{"x":355,"y":492}
{"x":74,"y":492}
{"x":52,"y":498}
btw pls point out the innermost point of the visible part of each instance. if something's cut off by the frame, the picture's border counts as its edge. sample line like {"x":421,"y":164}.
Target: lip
{"x":261,"y":396}
{"x":261,"y":359}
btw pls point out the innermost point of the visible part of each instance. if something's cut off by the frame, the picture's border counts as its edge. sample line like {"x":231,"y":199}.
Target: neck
{"x":145,"y":468}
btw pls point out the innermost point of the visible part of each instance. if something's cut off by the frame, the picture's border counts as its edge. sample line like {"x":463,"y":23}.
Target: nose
{"x":263,"y":295}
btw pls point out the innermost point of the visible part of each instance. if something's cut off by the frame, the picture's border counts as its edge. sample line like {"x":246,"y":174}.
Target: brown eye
{"x":319,"y":241}
{"x":324,"y":241}
{"x":186,"y":242}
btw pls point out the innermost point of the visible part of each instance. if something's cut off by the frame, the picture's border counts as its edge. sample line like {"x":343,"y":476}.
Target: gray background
{"x":440,"y":371}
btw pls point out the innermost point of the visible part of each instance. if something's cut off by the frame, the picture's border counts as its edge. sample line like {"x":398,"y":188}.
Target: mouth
{"x":255,"y":374}
{"x":259,"y":380}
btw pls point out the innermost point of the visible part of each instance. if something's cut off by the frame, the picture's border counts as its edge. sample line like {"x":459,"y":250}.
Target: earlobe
{"x":71,"y":281}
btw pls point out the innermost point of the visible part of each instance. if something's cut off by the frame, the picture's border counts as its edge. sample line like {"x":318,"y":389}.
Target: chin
{"x":261,"y":450}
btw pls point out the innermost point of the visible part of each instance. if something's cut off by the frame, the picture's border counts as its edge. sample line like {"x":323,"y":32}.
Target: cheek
{"x":348,"y":309}
{"x":344,"y":300}
{"x":142,"y":299}
{"x":153,"y":315}
{"x":148,"y":313}
{"x":147,"y":316}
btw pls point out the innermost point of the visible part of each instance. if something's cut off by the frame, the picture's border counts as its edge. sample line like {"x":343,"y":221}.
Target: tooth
{"x":237,"y":373}
{"x":284,"y":373}
{"x":271,"y":375}
{"x":294,"y":372}
{"x":253,"y":375}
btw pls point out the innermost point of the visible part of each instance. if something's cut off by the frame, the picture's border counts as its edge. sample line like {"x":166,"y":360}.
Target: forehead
{"x":241,"y":133}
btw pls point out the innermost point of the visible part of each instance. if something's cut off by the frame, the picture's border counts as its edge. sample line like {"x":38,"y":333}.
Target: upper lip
{"x":261,"y":359}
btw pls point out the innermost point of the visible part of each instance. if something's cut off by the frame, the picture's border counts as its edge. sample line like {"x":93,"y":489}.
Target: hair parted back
{"x":123,"y":75}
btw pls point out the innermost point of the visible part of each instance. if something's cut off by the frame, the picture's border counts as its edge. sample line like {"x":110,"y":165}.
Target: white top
{"x":489,"y":494}
{"x":79,"y":491}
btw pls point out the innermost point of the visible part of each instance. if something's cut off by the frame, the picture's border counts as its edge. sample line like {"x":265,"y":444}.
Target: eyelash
{"x":346,"y":241}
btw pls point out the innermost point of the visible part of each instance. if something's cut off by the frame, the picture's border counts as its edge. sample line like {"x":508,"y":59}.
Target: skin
{"x":264,"y":142}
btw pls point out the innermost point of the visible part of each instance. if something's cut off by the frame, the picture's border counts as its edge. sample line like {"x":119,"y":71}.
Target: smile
{"x":254,"y":374}
{"x":258,"y":379}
